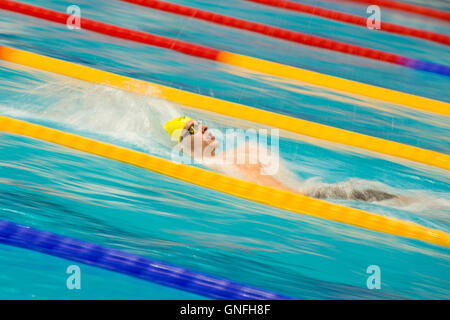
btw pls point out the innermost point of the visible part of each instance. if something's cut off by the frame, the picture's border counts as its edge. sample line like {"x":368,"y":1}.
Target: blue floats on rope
{"x":130,"y":264}
{"x":425,"y":66}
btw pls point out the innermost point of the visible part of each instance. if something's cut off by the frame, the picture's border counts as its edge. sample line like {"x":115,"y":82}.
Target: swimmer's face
{"x":198,"y":139}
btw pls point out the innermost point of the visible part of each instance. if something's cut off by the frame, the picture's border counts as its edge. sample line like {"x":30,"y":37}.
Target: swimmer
{"x":194,"y":139}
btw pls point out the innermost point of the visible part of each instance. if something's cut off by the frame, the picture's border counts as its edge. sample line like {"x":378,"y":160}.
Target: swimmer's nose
{"x":204,"y":128}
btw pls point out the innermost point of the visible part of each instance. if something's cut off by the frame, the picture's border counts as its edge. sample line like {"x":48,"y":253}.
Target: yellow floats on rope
{"x":227,"y":108}
{"x":335,"y":83}
{"x":246,"y":190}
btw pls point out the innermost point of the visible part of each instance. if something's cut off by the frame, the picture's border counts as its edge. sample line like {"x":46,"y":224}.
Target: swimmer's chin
{"x":211,"y":148}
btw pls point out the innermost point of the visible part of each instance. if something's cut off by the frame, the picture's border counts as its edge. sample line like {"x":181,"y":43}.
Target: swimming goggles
{"x":192,"y":129}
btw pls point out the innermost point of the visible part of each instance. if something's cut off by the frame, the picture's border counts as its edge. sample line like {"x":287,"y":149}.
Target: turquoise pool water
{"x":94,"y":199}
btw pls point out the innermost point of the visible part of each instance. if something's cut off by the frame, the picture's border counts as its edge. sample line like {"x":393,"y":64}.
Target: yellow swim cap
{"x":175,"y":126}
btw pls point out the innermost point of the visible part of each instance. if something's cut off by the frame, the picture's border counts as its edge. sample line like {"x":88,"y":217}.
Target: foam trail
{"x":419,"y":202}
{"x":351,"y":189}
{"x":122,"y":116}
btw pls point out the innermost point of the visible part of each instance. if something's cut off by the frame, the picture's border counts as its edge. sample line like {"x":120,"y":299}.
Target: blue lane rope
{"x":425,"y":66}
{"x":130,"y":264}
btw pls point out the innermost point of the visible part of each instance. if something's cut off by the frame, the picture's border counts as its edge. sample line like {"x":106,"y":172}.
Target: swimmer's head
{"x":175,"y":127}
{"x":192,"y":136}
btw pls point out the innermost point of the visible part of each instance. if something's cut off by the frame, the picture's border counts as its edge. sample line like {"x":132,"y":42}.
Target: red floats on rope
{"x":356,"y":20}
{"x":213,"y":54}
{"x":407,"y":7}
{"x":275,"y":32}
{"x":112,"y":30}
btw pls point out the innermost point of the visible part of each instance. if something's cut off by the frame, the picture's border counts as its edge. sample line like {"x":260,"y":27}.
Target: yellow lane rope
{"x":247,"y":190}
{"x":335,"y":83}
{"x":227,"y":108}
{"x":252,"y":63}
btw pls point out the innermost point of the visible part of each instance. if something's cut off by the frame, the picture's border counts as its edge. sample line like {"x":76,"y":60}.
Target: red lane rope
{"x":269,"y":30}
{"x":214,"y":54}
{"x":111,"y":30}
{"x":352,"y":19}
{"x":407,"y":7}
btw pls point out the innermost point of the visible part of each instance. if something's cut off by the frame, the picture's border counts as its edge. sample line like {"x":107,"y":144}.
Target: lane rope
{"x":294,"y":36}
{"x":408,"y":7}
{"x":112,"y":30}
{"x":259,"y":65}
{"x":276,"y":198}
{"x":227,"y":108}
{"x":130,"y":264}
{"x":356,"y":20}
